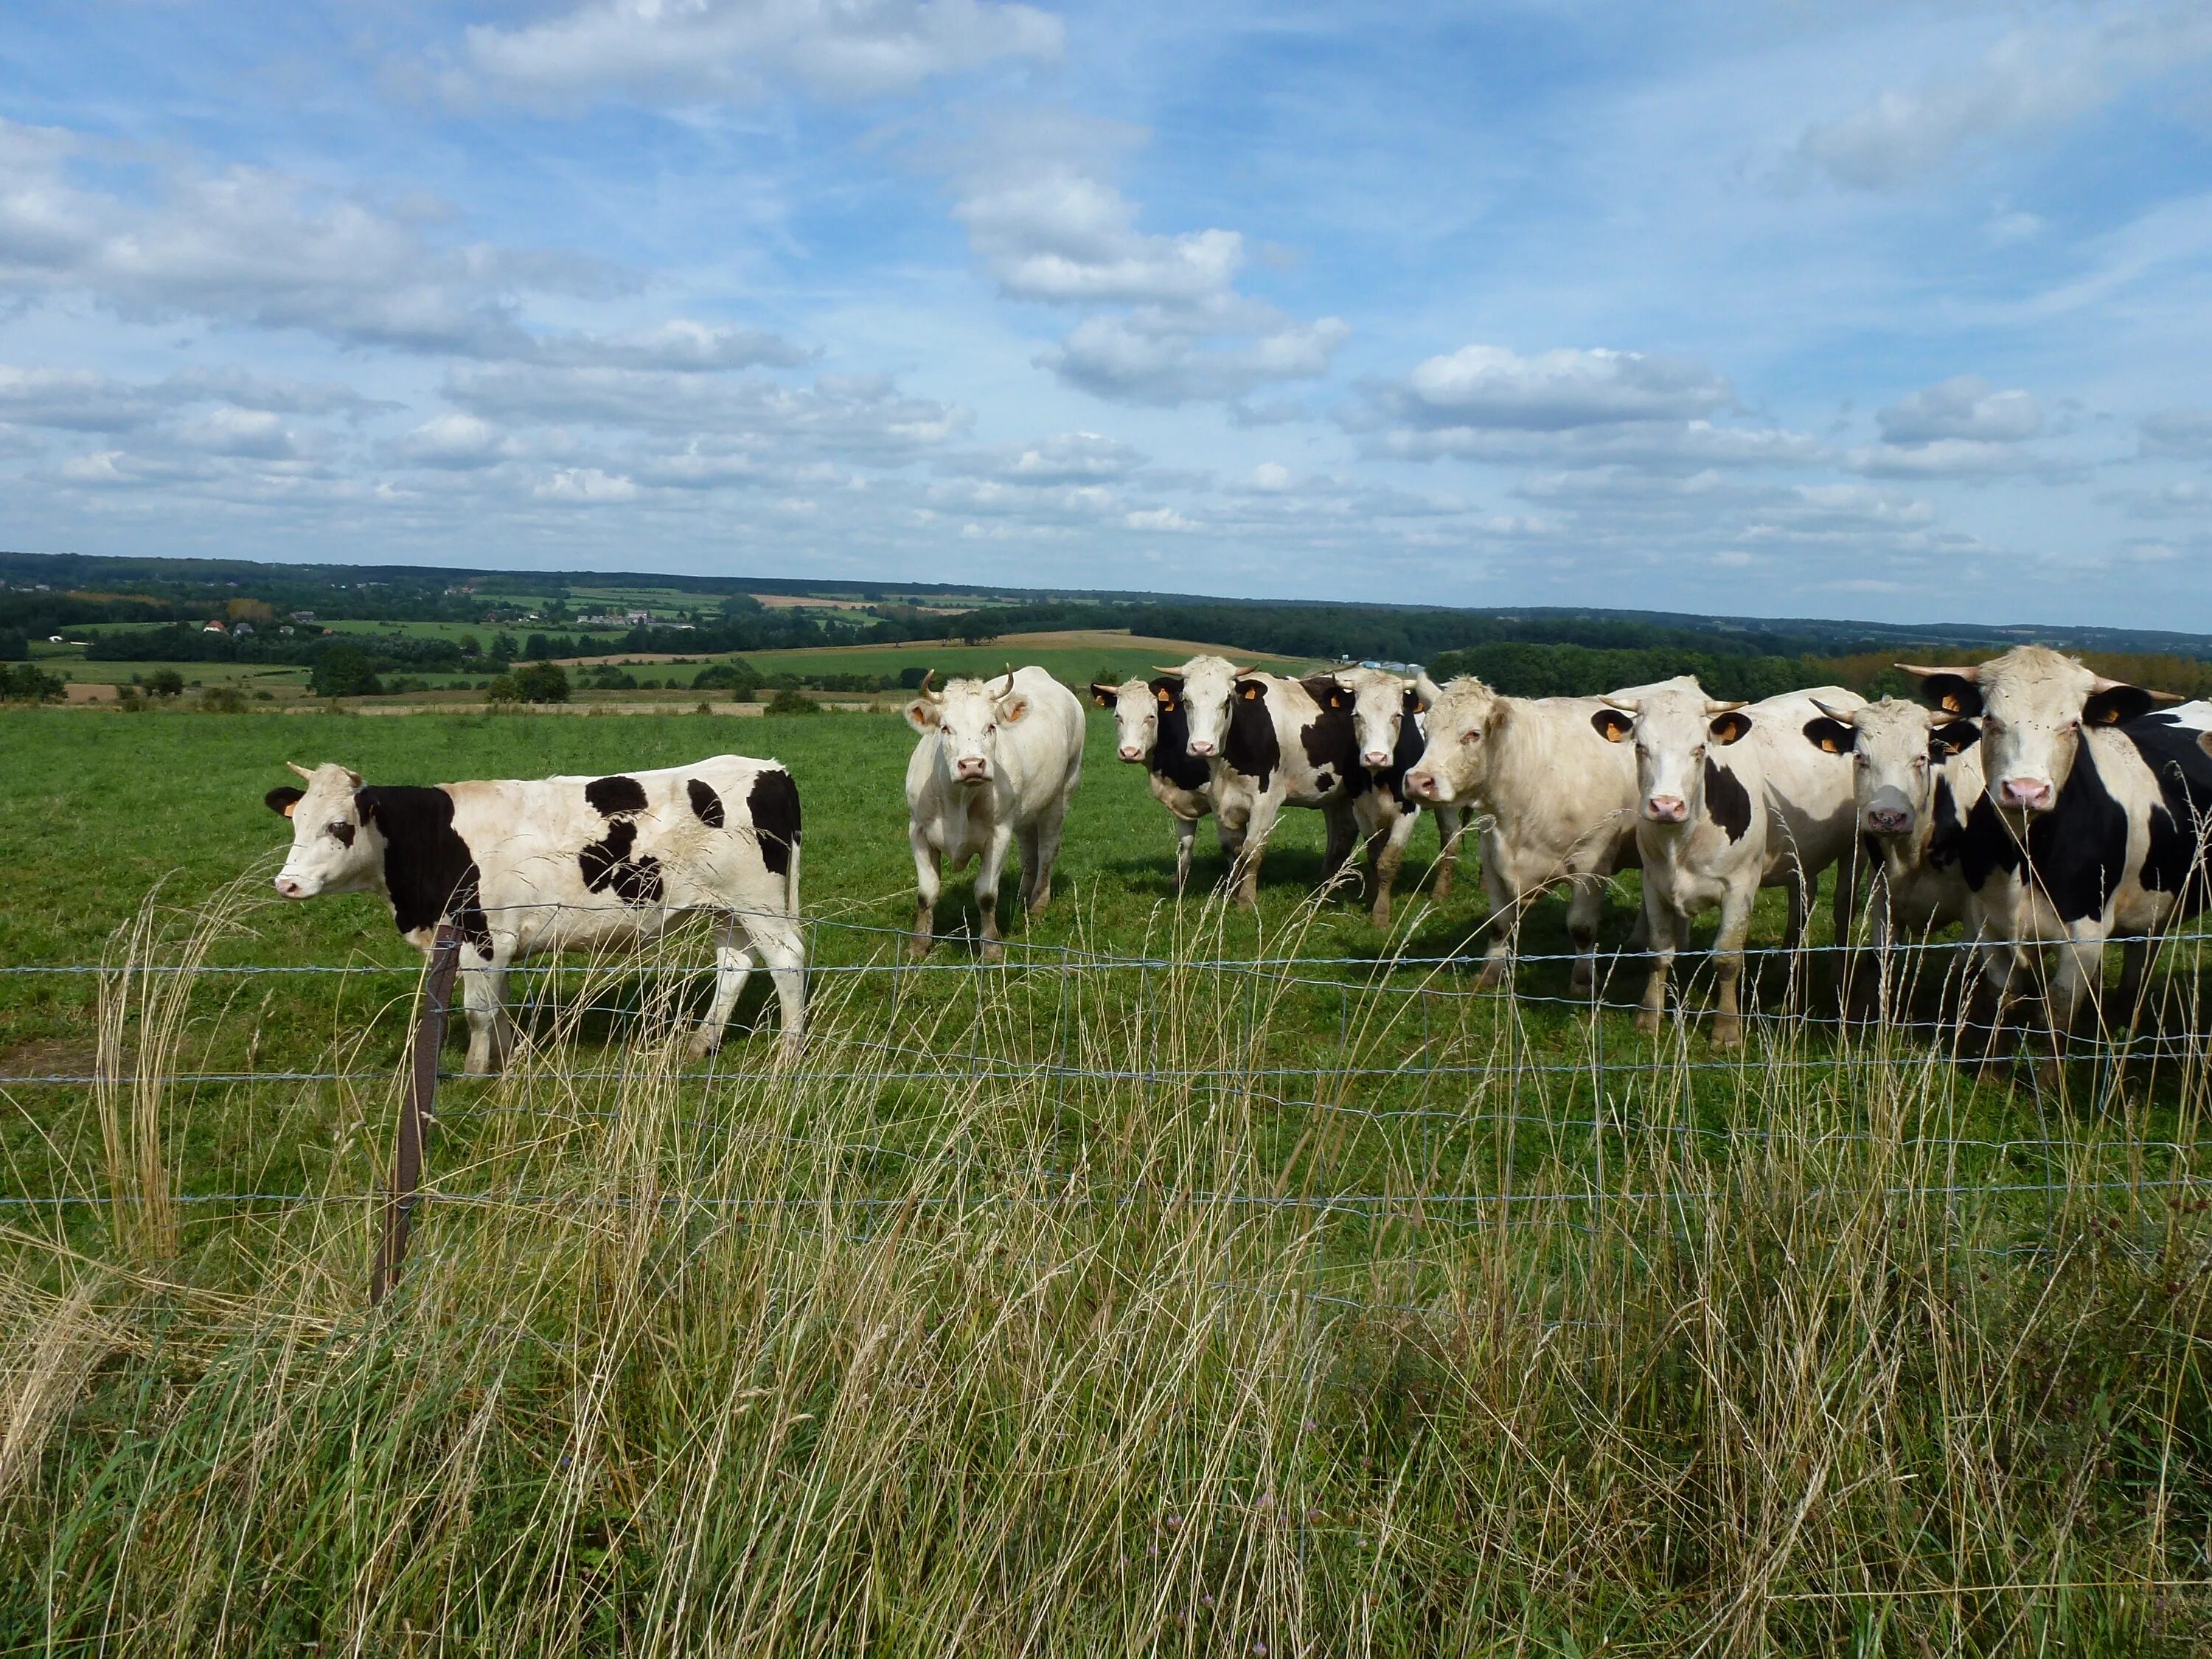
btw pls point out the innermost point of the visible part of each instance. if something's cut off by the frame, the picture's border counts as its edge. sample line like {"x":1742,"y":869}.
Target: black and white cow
{"x":525,"y":866}
{"x":1386,"y":729}
{"x":1150,"y":731}
{"x":2092,"y":823}
{"x":1272,"y":742}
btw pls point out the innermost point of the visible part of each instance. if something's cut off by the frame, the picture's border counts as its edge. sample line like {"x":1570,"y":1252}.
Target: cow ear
{"x":1613,"y":724}
{"x":1947,"y":694}
{"x":1104,"y":696}
{"x":1953,"y":739}
{"x":281,"y":801}
{"x":1163,"y":692}
{"x":921,"y":714}
{"x":2117,"y":703}
{"x":1831,"y":736}
{"x":1731,"y":727}
{"x":1251,"y":692}
{"x":1012,"y":709}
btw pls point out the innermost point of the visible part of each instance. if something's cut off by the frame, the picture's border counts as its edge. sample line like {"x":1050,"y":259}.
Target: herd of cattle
{"x":2028,"y":800}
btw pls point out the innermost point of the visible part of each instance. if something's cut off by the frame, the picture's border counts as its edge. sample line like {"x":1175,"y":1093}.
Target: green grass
{"x":1153,"y":1307}
{"x":1076,"y":664}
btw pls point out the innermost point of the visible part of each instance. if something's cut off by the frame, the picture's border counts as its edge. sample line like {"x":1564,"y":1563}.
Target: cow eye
{"x":1858,"y":760}
{"x":1699,"y":753}
{"x":1470,"y":737}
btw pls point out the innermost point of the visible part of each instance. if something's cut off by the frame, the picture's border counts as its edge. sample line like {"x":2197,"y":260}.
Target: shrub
{"x":25,"y":683}
{"x":165,"y":683}
{"x":502,"y":688}
{"x":788,"y":701}
{"x":344,"y":670}
{"x":541,"y":681}
{"x":739,"y":678}
{"x":223,"y":699}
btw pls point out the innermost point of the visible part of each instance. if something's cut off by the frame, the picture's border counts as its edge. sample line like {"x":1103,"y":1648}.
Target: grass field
{"x":1084,"y":1304}
{"x":1074,"y":655}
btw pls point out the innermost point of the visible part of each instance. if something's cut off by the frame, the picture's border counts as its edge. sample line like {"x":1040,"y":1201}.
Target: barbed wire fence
{"x":1449,"y":1097}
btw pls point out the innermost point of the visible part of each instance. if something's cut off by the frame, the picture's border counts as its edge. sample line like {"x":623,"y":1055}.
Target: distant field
{"x":1074,"y":656}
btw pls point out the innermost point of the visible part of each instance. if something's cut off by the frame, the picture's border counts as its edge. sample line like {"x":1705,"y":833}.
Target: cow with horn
{"x":998,"y":761}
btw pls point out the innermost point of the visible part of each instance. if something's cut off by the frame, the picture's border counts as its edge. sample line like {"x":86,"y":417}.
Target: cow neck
{"x":429,"y":873}
{"x":2075,"y":854}
{"x":1172,"y":757}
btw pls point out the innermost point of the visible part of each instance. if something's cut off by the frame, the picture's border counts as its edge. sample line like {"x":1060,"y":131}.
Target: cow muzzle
{"x":288,"y":887}
{"x":1888,"y":814}
{"x":1666,"y":809}
{"x":2025,"y":794}
{"x":1376,"y":757}
{"x":1130,"y":753}
{"x":1201,"y":747}
{"x":1422,"y":784}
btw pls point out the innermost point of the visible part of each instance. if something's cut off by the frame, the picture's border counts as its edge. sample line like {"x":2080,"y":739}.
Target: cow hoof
{"x":1380,"y":915}
{"x":921,"y":946}
{"x":1581,"y":984}
{"x":1492,"y":977}
{"x":992,"y":950}
{"x":789,"y":1050}
{"x":1648,"y":1021}
{"x":702,"y":1042}
{"x":1728,"y":1034}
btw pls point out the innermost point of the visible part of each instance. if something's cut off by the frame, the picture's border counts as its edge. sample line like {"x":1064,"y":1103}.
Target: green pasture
{"x":1196,"y":1281}
{"x":1074,"y":658}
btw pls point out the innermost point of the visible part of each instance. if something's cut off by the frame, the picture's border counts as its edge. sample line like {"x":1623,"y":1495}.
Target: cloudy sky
{"x":1893,"y":310}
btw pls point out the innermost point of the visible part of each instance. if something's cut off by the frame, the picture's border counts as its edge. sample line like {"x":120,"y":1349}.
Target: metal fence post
{"x":429,"y":1038}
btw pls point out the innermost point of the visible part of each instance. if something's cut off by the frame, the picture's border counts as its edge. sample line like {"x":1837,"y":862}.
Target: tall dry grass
{"x":1037,"y":1310}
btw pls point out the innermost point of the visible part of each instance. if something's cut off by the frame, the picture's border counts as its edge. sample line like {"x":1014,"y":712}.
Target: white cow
{"x":996,"y":760}
{"x":525,"y":866}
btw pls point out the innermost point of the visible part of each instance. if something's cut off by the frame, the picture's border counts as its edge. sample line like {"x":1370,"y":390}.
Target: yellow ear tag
{"x":290,"y":806}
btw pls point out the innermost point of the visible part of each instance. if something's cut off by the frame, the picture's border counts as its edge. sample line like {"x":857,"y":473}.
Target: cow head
{"x":1673,"y":728}
{"x":1206,"y":687}
{"x":335,"y":848}
{"x":965,"y":718}
{"x":1382,"y":704}
{"x":1461,"y":719}
{"x":1137,"y":705}
{"x":2032,"y":702}
{"x":1895,"y":748}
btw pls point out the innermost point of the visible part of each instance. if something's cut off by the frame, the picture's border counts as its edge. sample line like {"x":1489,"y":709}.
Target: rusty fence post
{"x":429,"y":1038}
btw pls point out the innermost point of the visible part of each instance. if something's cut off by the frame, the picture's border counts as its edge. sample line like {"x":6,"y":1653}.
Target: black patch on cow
{"x":1946,"y":840}
{"x":773,"y":805}
{"x":1951,"y":694}
{"x":610,"y":797}
{"x":706,"y":805}
{"x":281,"y":801}
{"x":1330,"y":740}
{"x":428,"y":869}
{"x":1407,"y":755}
{"x":607,"y":865}
{"x":1252,"y":748}
{"x":2176,"y":860}
{"x":2076,"y":852}
{"x":1172,"y":757}
{"x":1833,"y":736}
{"x":343,"y":831}
{"x":2116,"y":705}
{"x":1955,"y":738}
{"x":1871,"y":848}
{"x":1726,"y":802}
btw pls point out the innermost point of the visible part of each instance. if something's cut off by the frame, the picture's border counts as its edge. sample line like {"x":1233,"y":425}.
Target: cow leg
{"x":1660,"y":929}
{"x":1343,"y":821}
{"x":780,"y":942}
{"x":1585,"y":905}
{"x":1025,"y":837}
{"x":928,"y":881}
{"x":1257,"y":828}
{"x":1044,"y":846}
{"x":491,"y":1034}
{"x":1451,"y":824}
{"x":1505,"y":898}
{"x":735,"y":959}
{"x":1394,"y":857}
{"x":1728,"y":964}
{"x":987,"y":888}
{"x":2075,"y":985}
{"x":2135,"y":968}
{"x":1185,"y":832}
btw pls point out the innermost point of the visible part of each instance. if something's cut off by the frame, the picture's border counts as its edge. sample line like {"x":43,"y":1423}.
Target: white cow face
{"x":965,"y":718}
{"x":1895,"y":748}
{"x":1136,"y":717}
{"x":2033,"y":702}
{"x":1209,"y":686}
{"x":1378,"y":713}
{"x":1674,"y":729}
{"x":334,"y":849}
{"x":1459,"y":720}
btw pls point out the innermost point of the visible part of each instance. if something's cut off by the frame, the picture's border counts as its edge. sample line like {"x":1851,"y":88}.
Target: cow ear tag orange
{"x":290,"y":807}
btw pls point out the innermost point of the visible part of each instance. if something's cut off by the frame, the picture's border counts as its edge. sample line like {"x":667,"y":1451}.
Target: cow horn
{"x":1971,"y":671}
{"x":928,"y":695}
{"x":2104,"y":684}
{"x":1721,"y":706}
{"x":299,"y":771}
{"x":1626,"y":705}
{"x":1243,"y":673}
{"x":1006,"y":690}
{"x":1845,"y":716}
{"x":1175,"y":674}
{"x":1426,"y":689}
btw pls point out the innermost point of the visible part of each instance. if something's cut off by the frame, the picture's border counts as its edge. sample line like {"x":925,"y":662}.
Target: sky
{"x":1892,"y":311}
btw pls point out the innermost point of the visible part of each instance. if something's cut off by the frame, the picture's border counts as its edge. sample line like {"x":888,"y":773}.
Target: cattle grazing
{"x":1386,"y":733}
{"x":2091,"y":823}
{"x":1555,"y":800}
{"x":522,"y":868}
{"x":1270,"y":742}
{"x":1916,"y":777}
{"x":1150,"y":731}
{"x":998,"y":760}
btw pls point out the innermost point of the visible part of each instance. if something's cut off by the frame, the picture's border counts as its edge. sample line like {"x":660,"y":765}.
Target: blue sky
{"x":1882,"y":310}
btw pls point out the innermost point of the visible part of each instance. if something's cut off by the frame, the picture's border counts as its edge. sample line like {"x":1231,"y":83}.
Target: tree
{"x":541,"y":681}
{"x":25,"y":682}
{"x":344,"y":670}
{"x":165,"y":683}
{"x":788,"y":701}
{"x":910,"y":678}
{"x":739,"y":678}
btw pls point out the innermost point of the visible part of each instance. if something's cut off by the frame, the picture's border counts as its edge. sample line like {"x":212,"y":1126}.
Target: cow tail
{"x":791,"y":882}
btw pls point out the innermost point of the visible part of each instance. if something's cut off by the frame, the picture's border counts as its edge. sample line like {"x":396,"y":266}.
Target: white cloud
{"x":256,"y":433}
{"x":2183,"y":432}
{"x":1160,"y":517}
{"x":1163,"y":357}
{"x":1481,"y":386}
{"x":680,"y":345}
{"x":585,"y":485}
{"x":452,"y":442}
{"x":741,"y":49}
{"x":2030,"y":81}
{"x":1065,"y":457}
{"x":1941,"y":458}
{"x":1961,"y":407}
{"x":1048,"y":232}
{"x":75,"y":399}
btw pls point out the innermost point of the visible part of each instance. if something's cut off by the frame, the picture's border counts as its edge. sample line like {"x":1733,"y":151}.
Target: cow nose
{"x":287,"y":887}
{"x":1666,"y":809}
{"x":1887,"y":821}
{"x":971,"y":769}
{"x":2031,"y":794}
{"x":1200,"y":747}
{"x":1420,"y":783}
{"x":1377,"y":757}
{"x":1130,"y":751}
